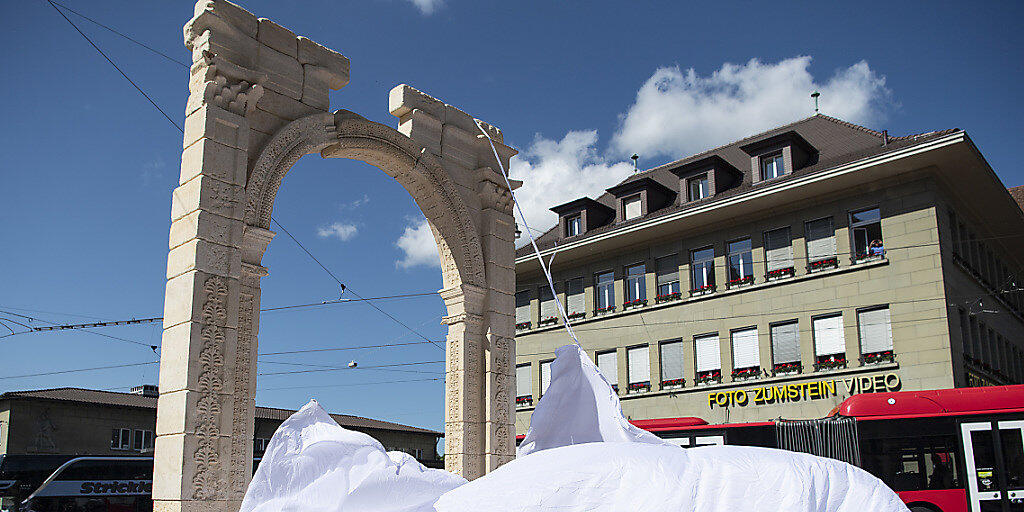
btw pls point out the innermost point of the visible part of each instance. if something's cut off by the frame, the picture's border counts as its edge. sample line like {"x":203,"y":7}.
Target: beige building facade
{"x":744,"y":286}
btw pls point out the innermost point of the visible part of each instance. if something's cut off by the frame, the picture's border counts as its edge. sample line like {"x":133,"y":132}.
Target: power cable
{"x":346,"y":368}
{"x":137,"y":88}
{"x":154,"y":348}
{"x":376,"y":383}
{"x":336,"y":367}
{"x":77,"y":370}
{"x":144,"y":45}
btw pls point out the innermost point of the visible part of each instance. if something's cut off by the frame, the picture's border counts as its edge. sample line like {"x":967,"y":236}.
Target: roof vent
{"x":146,"y":390}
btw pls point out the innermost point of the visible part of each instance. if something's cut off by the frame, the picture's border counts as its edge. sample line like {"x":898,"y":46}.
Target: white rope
{"x":533,"y":242}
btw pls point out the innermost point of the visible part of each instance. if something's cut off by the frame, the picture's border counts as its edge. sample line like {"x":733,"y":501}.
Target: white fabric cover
{"x":314,"y":465}
{"x":579,"y":407}
{"x":626,"y":477}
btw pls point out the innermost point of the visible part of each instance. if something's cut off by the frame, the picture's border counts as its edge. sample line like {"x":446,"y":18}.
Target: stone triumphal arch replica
{"x":258,"y":102}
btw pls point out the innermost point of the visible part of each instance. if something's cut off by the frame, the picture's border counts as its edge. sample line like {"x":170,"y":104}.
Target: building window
{"x":772,"y":166}
{"x":954,"y":231}
{"x":121,"y":439}
{"x":636,"y":286}
{"x":604,"y":292}
{"x":672,"y":364}
{"x":523,"y":310}
{"x":778,"y":252}
{"x":785,"y":348}
{"x":829,"y":342}
{"x":866,"y":229}
{"x":524,"y":392}
{"x":741,"y":271}
{"x":545,"y":376}
{"x":608,"y":364}
{"x":573,"y":225}
{"x":821,"y":245}
{"x":259,"y":445}
{"x":746,"y":354}
{"x":638,"y":368}
{"x":875,"y":334}
{"x":142,"y":440}
{"x":575,"y":304}
{"x":702,"y":270}
{"x":631,"y":207}
{"x":965,"y":336}
{"x":667,"y":269}
{"x":709,"y":358}
{"x":699,"y":188}
{"x":548,"y":309}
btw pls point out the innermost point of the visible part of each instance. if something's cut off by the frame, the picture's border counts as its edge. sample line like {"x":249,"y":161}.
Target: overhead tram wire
{"x":137,"y":88}
{"x":154,"y":348}
{"x":340,"y":368}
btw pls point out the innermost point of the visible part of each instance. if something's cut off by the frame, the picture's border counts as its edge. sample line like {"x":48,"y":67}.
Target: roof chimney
{"x":635,"y":157}
{"x":146,"y":390}
{"x":885,"y":138}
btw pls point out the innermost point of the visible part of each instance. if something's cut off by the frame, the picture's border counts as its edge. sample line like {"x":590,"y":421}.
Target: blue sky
{"x":89,"y":165}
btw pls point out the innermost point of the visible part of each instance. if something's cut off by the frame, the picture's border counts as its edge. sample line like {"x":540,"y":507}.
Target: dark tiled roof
{"x":1017,"y":193}
{"x":838,"y":142}
{"x":95,"y":396}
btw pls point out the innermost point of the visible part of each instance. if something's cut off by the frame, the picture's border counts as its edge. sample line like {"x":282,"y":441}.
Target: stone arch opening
{"x":258,"y":103}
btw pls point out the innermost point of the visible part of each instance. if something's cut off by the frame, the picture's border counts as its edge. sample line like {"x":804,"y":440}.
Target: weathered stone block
{"x":277,"y":37}
{"x":314,"y":87}
{"x":176,"y":456}
{"x":207,"y":226}
{"x":283,"y":106}
{"x":187,"y":295}
{"x":284,"y":73}
{"x":239,"y":18}
{"x":186,"y":343}
{"x":404,"y":99}
{"x":187,"y":414}
{"x":214,"y":159}
{"x":209,"y":194}
{"x":336,"y":64}
{"x":234,"y":47}
{"x":208,"y":257}
{"x":217,"y":124}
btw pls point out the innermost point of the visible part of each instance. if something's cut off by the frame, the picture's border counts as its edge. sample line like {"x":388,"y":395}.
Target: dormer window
{"x":631,"y":207}
{"x":772,"y":166}
{"x":573,"y":225}
{"x":699,"y":188}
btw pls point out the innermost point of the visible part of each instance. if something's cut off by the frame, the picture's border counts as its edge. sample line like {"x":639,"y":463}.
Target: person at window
{"x":876,"y":250}
{"x":942,"y":477}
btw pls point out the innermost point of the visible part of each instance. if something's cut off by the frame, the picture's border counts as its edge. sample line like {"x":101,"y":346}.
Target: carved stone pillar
{"x":464,"y":426}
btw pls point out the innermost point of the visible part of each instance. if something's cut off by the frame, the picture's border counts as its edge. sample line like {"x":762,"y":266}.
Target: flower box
{"x":667,"y":297}
{"x":708,"y":288}
{"x":524,"y":400}
{"x":879,"y":357}
{"x":786,"y":368}
{"x":740,"y":282}
{"x":830,"y":262}
{"x":780,"y":273}
{"x":637,"y":387}
{"x":708,"y":377}
{"x":673,"y":383}
{"x":749,"y":372}
{"x":548,"y":320}
{"x":830,"y":363}
{"x":575,"y":315}
{"x":635,"y":303}
{"x":523,"y":325}
{"x":609,"y":309}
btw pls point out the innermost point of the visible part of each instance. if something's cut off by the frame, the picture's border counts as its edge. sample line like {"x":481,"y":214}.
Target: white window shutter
{"x":821,"y":240}
{"x":639,"y":364}
{"x":875,"y":330}
{"x":785,"y":343}
{"x":522,"y":307}
{"x":547,"y":303}
{"x":828,"y":336}
{"x":778,"y":249}
{"x":545,"y":376}
{"x":672,"y":360}
{"x":632,"y":207}
{"x":523,"y":387}
{"x":608,"y":363}
{"x":574,"y":301}
{"x":745,"y":350}
{"x":709,"y":355}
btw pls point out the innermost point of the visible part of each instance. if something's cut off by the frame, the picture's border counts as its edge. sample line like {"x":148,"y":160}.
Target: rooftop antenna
{"x":635,"y":157}
{"x":815,"y":95}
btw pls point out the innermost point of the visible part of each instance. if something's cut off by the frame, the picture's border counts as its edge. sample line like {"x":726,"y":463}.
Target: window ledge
{"x":719,"y":293}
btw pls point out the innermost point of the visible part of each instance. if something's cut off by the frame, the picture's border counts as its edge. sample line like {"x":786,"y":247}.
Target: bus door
{"x":994,"y":458}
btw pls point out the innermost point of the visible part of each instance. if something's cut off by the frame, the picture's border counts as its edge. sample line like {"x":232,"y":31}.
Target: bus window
{"x":913,"y":464}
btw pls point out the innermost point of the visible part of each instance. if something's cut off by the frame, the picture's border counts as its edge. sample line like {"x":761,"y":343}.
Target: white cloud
{"x":352,"y":205}
{"x":340,"y":230}
{"x":417,"y":242}
{"x":678,"y":113}
{"x":556,"y":172}
{"x":427,"y":6}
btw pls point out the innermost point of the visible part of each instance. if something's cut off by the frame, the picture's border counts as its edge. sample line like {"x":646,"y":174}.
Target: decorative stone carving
{"x":227,"y":85}
{"x":208,"y":481}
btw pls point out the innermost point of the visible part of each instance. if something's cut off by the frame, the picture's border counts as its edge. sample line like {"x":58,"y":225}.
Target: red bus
{"x":948,"y":450}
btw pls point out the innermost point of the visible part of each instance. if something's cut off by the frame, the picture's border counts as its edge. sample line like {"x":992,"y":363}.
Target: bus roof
{"x":943,"y":402}
{"x":661,"y":424}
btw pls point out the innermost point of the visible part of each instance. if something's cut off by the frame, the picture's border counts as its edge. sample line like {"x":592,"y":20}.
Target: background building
{"x":740,"y":284}
{"x":75,"y":421}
